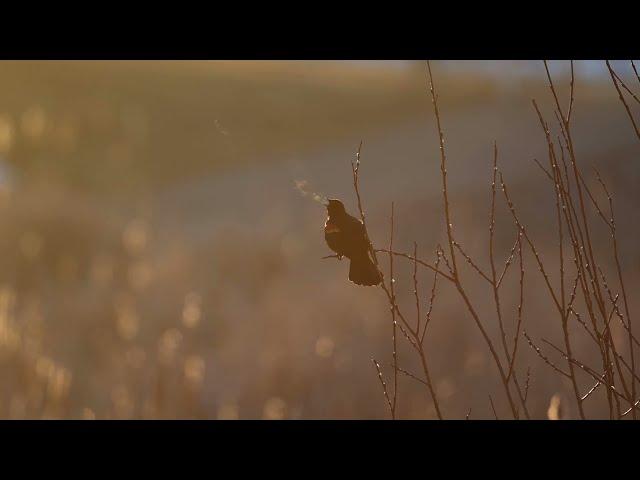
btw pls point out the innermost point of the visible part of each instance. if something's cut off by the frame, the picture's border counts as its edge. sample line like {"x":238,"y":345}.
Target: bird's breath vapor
{"x":303,"y":187}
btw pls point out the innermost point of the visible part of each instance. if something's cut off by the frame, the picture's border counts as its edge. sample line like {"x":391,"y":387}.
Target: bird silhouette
{"x":346,"y":236}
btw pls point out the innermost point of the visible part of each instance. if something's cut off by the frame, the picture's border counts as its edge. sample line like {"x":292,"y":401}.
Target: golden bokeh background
{"x":157,"y":261}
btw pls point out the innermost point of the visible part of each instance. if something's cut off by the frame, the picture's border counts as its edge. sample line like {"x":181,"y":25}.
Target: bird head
{"x":335,"y":207}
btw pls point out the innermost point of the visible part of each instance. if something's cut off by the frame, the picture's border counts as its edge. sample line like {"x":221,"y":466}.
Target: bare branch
{"x":543,"y":357}
{"x":392,"y":282}
{"x":409,"y":374}
{"x":624,"y":102}
{"x":414,"y":259}
{"x":493,"y":408}
{"x":384,"y":386}
{"x":471,"y":262}
{"x":431,"y":298}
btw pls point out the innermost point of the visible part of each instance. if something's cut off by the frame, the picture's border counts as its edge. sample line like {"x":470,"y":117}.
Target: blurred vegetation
{"x":124,"y":127}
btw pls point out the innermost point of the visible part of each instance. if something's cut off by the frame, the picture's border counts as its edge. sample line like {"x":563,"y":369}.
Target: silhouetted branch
{"x":410,"y":375}
{"x":493,"y":408}
{"x":431,"y":298}
{"x":414,"y":259}
{"x":392,"y":283}
{"x":453,"y":267}
{"x":471,"y":262}
{"x":633,"y":65}
{"x":509,"y":258}
{"x":543,"y":357}
{"x":384,"y":386}
{"x":624,"y":102}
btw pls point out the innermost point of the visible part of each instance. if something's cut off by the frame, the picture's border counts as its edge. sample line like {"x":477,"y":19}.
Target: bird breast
{"x":330,"y":227}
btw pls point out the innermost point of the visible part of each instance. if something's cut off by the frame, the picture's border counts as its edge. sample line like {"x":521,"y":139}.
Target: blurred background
{"x":157,"y":261}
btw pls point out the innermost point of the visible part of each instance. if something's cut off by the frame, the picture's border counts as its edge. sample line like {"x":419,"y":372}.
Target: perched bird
{"x":346,"y":236}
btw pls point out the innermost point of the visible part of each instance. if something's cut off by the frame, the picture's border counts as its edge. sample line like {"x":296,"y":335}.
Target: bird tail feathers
{"x":363,"y":271}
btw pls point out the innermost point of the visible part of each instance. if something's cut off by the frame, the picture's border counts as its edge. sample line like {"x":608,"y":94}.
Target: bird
{"x":347,"y":237}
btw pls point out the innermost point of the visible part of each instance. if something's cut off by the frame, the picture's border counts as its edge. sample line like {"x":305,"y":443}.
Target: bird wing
{"x":357,"y":232}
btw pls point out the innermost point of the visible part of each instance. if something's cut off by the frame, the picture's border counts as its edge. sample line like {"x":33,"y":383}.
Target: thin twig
{"x":403,"y":325}
{"x":633,"y":65}
{"x":593,"y":374}
{"x":543,"y":169}
{"x":529,"y":241}
{"x":624,"y":102}
{"x":633,"y":95}
{"x":543,"y":357}
{"x":450,"y":241}
{"x":510,"y":258}
{"x":415,"y":286}
{"x":493,"y":408}
{"x":413,"y":259}
{"x":526,"y":385}
{"x":621,"y":282}
{"x":520,"y":306}
{"x":392,"y":282}
{"x":383,"y":384}
{"x":472,"y":263}
{"x":431,"y":298}
{"x":571,"y":88}
{"x":593,"y":389}
{"x":409,"y":374}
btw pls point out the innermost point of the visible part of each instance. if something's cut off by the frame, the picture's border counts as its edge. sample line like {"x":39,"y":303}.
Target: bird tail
{"x":363,"y":271}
